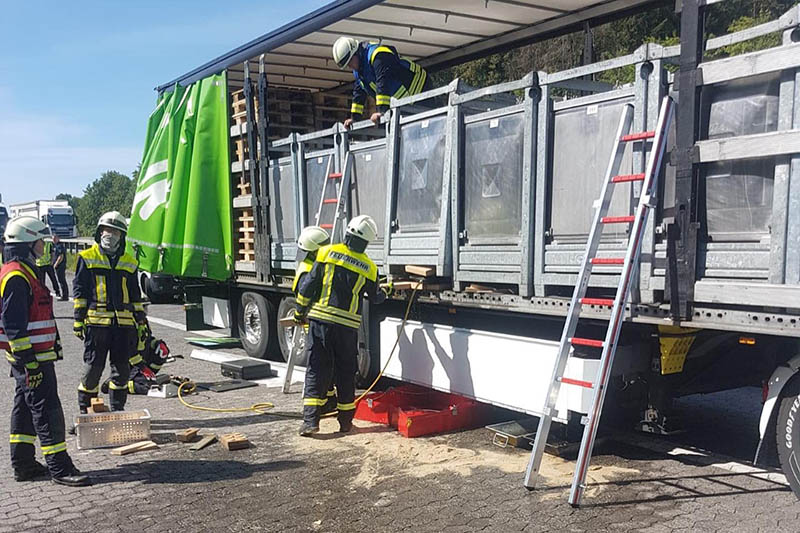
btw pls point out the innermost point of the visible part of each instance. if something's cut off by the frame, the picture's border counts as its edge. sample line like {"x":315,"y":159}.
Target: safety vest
{"x":102,"y":307}
{"x":396,"y":88}
{"x":41,"y":325}
{"x":303,"y":268}
{"x":44,"y":260}
{"x":338,"y":302}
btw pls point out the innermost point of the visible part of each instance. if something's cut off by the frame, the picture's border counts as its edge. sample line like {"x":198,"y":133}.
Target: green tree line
{"x":112,"y":191}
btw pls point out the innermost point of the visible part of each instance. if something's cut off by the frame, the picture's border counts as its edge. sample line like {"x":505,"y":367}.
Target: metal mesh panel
{"x":739,"y":193}
{"x":369,"y":179}
{"x":315,"y":178}
{"x":493,"y":176}
{"x":282,"y":193}
{"x":421,"y":165}
{"x":582,"y":142}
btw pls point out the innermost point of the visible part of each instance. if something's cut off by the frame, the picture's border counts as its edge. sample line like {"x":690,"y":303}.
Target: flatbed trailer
{"x":493,"y":189}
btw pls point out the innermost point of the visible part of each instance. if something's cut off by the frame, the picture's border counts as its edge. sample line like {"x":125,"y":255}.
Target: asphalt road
{"x":375,"y":480}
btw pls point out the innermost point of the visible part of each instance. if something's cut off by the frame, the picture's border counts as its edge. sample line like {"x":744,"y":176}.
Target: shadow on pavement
{"x":185,"y":472}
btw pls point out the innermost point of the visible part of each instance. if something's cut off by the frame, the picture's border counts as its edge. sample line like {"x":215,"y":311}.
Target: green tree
{"x":113,"y":191}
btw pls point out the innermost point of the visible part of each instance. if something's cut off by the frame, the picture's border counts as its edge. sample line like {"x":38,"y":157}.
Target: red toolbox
{"x":417,"y":411}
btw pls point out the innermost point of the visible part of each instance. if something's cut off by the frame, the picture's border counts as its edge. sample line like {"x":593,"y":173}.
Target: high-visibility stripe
{"x":138,"y":306}
{"x":19,"y":345}
{"x":8,"y":277}
{"x":356,"y":300}
{"x":41,"y":324}
{"x":383,"y":99}
{"x":155,"y":367}
{"x":44,"y":357}
{"x":373,"y":86}
{"x":97,"y":263}
{"x":54,"y":448}
{"x":126,"y":299}
{"x":82,"y":388}
{"x":100,"y":287}
{"x":302,"y":300}
{"x":327,"y":286}
{"x":331,"y":393}
{"x":317,"y":402}
{"x":130,"y":387}
{"x":346,"y":406}
{"x":356,"y":108}
{"x":114,"y":386}
{"x":327,"y":317}
{"x":80,"y":303}
{"x":21,"y":438}
{"x":377,"y":51}
{"x":136,"y":359}
{"x":11,"y":358}
{"x":127,"y":266}
{"x":341,"y":313}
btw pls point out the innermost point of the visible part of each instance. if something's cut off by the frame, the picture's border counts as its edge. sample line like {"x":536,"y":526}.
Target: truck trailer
{"x":492,"y":191}
{"x":57,"y":214}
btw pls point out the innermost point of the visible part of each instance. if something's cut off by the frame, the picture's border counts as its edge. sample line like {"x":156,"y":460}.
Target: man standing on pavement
{"x":109,"y":313}
{"x":60,"y":266}
{"x":380,"y":72}
{"x":330,"y":295}
{"x":30,"y":342}
{"x":45,"y":264}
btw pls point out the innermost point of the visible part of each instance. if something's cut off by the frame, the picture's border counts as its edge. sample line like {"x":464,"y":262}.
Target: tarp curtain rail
{"x":181,"y":217}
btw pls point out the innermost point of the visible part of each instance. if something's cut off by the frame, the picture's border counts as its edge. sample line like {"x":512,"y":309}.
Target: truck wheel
{"x":286,"y":335}
{"x":788,"y":433}
{"x":256,"y":318}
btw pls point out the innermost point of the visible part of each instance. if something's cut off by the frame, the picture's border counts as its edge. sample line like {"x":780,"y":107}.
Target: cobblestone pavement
{"x":374,"y":480}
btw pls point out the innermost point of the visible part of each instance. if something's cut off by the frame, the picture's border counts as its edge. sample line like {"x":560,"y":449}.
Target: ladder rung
{"x":624,"y":178}
{"x":597,"y":301}
{"x":330,"y":201}
{"x":607,"y":260}
{"x":638,"y":136}
{"x":618,"y":220}
{"x":579,"y":341}
{"x":335,"y":176}
{"x":578,"y":382}
{"x":326,"y":226}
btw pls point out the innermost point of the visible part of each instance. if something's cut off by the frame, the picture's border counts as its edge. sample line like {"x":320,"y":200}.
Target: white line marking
{"x":181,"y":327}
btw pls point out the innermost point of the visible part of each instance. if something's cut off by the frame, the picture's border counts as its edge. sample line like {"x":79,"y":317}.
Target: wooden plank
{"x":743,"y":293}
{"x":407,"y":285}
{"x":749,"y":146}
{"x":202,"y":443}
{"x":234,"y":441}
{"x":187,"y":435}
{"x":424,"y":271}
{"x":475,"y":288}
{"x":752,"y":64}
{"x":142,"y":446}
{"x":98,"y":406}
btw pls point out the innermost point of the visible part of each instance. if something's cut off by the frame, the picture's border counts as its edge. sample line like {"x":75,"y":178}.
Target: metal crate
{"x":108,"y":430}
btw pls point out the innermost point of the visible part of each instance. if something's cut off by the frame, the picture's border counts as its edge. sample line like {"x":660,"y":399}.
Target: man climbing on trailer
{"x":380,"y":72}
{"x":330,"y":295}
{"x":311,"y":239}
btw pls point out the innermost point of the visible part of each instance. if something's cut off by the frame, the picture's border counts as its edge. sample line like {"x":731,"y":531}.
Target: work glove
{"x":143,"y":332}
{"x":79,"y":329}
{"x":33,"y":375}
{"x":387,"y":288}
{"x":299,"y":318}
{"x":148,"y":373}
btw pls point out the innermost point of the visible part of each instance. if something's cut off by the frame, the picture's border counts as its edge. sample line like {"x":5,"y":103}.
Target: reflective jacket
{"x":384,"y":74}
{"x":45,"y":259}
{"x":303,"y":268}
{"x":333,"y":290}
{"x":27,"y":328}
{"x":106,"y":289}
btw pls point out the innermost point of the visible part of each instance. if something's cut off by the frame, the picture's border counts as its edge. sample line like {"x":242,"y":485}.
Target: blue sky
{"x":77,"y":78}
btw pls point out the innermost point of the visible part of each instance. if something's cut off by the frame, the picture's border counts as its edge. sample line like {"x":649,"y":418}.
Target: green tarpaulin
{"x":181,"y":217}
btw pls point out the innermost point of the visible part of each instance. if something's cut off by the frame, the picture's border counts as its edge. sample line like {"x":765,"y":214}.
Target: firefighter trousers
{"x":38,"y":413}
{"x":116,"y":343}
{"x":332,"y":351}
{"x":138,"y":383}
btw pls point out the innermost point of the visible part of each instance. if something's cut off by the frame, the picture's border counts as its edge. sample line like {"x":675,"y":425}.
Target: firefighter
{"x":309,"y":241}
{"x":330,"y":297}
{"x":45,"y":264}
{"x":109,"y":313}
{"x":29,"y":338}
{"x":60,"y":267}
{"x":380,"y":72}
{"x":150,"y":357}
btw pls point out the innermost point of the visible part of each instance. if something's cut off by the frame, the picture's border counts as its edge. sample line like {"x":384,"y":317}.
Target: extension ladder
{"x":337,"y":195}
{"x":637,"y":221}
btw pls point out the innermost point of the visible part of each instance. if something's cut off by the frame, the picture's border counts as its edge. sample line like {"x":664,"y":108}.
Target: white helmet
{"x":113,"y":219}
{"x":364,"y":227}
{"x":311,"y":238}
{"x":343,"y":50}
{"x":25,"y":229}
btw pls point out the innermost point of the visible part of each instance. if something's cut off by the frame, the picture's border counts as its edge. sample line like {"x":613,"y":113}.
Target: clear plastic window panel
{"x":739,"y":193}
{"x":316,"y":167}
{"x":583,"y":140}
{"x":369,"y":180}
{"x":739,"y":198}
{"x":421,"y":165}
{"x":493,"y":177}
{"x":282,"y":210}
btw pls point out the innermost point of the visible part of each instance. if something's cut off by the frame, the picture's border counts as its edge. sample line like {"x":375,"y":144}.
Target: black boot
{"x":308,"y":429}
{"x":36,"y":470}
{"x":104,"y":386}
{"x":74,"y":479}
{"x":345,"y":427}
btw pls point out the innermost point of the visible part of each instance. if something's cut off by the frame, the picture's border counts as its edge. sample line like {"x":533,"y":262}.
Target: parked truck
{"x":57,"y":214}
{"x":493,"y":190}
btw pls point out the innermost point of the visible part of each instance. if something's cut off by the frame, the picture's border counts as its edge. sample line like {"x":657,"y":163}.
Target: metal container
{"x":109,"y":430}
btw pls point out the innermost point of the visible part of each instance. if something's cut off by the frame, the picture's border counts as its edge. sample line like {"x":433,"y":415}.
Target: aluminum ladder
{"x":341,"y":187}
{"x":637,"y":222}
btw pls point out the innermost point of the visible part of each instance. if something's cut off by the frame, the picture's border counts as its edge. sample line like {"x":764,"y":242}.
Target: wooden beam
{"x":142,"y":446}
{"x":424,"y":271}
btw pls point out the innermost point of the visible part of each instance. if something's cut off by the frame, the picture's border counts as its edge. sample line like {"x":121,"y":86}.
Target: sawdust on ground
{"x":380,"y":452}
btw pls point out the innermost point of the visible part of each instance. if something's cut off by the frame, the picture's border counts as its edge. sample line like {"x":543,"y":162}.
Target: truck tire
{"x":788,"y":433}
{"x":257,"y":321}
{"x":286,"y":335}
